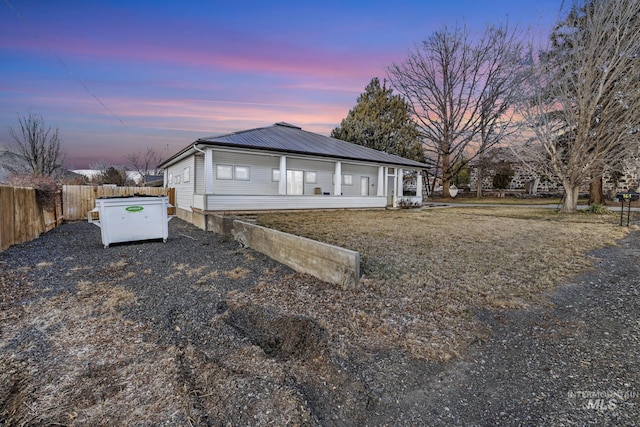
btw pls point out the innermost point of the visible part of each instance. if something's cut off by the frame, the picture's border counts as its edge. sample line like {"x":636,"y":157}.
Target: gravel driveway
{"x":142,"y":334}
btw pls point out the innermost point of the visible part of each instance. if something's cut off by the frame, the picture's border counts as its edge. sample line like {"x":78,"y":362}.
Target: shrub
{"x":408,"y":204}
{"x":597,"y":209}
{"x":47,"y":189}
{"x":503,"y":176}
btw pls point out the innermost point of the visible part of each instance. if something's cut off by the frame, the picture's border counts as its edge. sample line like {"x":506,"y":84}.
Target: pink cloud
{"x":228,"y":52}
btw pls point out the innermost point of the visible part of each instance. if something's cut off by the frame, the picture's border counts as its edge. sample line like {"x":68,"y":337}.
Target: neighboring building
{"x":526,"y":180}
{"x":153,"y":180}
{"x":284,"y":167}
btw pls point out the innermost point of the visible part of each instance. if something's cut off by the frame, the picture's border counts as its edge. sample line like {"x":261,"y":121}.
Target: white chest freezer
{"x":126,"y":219}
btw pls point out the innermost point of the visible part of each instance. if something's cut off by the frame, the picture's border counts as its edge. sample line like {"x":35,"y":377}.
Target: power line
{"x":66,"y":67}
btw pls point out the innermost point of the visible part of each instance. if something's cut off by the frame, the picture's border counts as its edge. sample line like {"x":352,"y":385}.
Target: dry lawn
{"x":93,"y":366}
{"x":508,"y":201}
{"x":427,"y":272}
{"x":96,"y":377}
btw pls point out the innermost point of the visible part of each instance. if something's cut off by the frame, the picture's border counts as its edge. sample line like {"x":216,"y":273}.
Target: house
{"x":283,"y":167}
{"x":525,"y":180}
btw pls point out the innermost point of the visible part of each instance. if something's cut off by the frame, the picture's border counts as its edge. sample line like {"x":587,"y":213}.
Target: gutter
{"x":195,"y":147}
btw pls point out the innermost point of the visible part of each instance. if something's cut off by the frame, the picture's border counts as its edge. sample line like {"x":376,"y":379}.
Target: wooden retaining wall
{"x":80,"y":199}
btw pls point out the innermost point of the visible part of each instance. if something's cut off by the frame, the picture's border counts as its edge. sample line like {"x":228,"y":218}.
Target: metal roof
{"x":286,"y":138}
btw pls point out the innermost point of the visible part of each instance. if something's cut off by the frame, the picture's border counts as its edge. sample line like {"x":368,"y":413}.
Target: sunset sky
{"x":117,"y":76}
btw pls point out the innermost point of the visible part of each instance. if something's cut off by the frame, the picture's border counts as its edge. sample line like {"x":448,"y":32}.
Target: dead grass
{"x":186,"y":270}
{"x":237,"y":273}
{"x":94,"y":372}
{"x":427,"y":272}
{"x":87,"y":364}
{"x":501,"y":201}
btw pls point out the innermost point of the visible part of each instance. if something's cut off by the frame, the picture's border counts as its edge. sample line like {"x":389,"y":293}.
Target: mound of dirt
{"x":281,"y":336}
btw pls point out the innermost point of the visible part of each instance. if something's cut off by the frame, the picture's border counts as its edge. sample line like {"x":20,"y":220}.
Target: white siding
{"x":260,"y":192}
{"x":358,"y":171}
{"x":253,"y":203}
{"x":199,"y":174}
{"x":260,"y":180}
{"x":198,"y":201}
{"x":184,"y":190}
{"x":324,"y":170}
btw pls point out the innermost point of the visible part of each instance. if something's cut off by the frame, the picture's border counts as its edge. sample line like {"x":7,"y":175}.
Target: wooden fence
{"x":80,"y":199}
{"x":22,"y":218}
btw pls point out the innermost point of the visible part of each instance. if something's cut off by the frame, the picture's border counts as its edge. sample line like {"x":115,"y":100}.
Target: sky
{"x":116,"y":77}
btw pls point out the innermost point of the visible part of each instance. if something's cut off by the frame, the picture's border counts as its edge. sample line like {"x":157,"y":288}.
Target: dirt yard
{"x":199,"y":331}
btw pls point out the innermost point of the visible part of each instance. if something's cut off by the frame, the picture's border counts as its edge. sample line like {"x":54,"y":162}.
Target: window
{"x":275,"y":175}
{"x":242,"y":173}
{"x":187,"y":174}
{"x":311,"y":177}
{"x":224,"y":172}
{"x":347,"y":180}
{"x":170,"y":180}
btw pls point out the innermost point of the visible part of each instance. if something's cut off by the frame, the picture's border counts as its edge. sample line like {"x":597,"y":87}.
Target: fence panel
{"x":7,"y":217}
{"x":80,"y":199}
{"x":23,"y":219}
{"x":21,"y":216}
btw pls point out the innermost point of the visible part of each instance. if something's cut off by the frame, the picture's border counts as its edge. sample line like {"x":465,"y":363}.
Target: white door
{"x":295,"y":182}
{"x":364,"y":185}
{"x":391,"y":181}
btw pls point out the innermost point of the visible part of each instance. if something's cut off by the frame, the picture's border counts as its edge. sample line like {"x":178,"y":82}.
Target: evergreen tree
{"x":503,"y":176}
{"x":382,"y":121}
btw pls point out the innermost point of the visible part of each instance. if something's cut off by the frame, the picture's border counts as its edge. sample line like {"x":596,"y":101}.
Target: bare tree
{"x":584,"y":94}
{"x":39,"y":145}
{"x":145,"y":163}
{"x":496,"y":117}
{"x":461,"y":90}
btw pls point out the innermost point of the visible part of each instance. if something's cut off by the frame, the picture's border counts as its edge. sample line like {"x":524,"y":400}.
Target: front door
{"x":364,"y":185}
{"x":295,"y":182}
{"x":390,"y":189}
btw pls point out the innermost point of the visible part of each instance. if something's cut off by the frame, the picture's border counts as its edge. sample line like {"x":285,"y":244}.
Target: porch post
{"x":419,"y":185}
{"x":208,"y":171}
{"x":337,"y":181}
{"x":400,"y":182}
{"x":381,"y":181}
{"x":282,"y":184}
